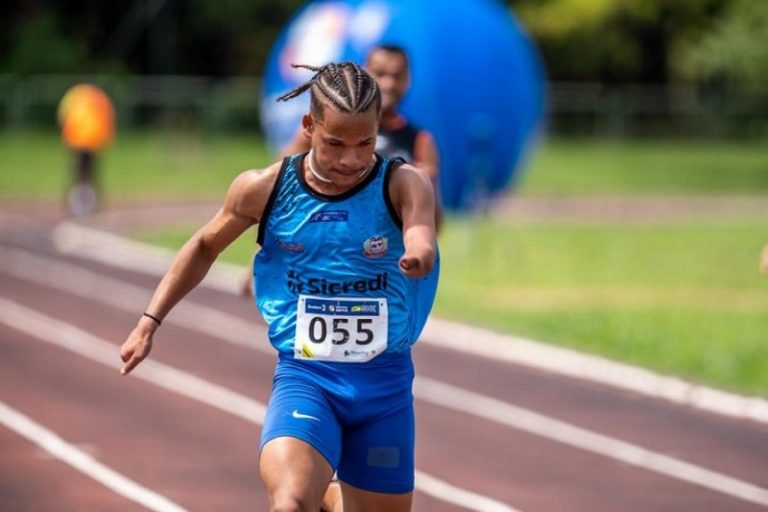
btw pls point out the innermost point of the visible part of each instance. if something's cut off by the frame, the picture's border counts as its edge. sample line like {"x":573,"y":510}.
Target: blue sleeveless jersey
{"x":341,"y":253}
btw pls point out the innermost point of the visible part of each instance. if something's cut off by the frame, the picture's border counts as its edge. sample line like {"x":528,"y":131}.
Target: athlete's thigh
{"x":300,"y":444}
{"x":358,"y":500}
{"x":299,"y":408}
{"x":378,"y":456}
{"x":294,"y":472}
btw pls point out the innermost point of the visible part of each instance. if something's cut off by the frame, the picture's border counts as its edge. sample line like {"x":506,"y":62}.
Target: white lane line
{"x":72,"y":338}
{"x":461,"y":497}
{"x":230,"y":328}
{"x":557,"y":360}
{"x":92,"y":347}
{"x":122,"y":252}
{"x":128,"y":297}
{"x":83,"y":462}
{"x":461,"y":400}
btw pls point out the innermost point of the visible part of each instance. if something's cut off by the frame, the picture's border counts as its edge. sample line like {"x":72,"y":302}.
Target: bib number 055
{"x":340,"y":329}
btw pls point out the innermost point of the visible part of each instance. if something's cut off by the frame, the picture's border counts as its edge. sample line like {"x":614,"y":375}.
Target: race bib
{"x":346,"y":330}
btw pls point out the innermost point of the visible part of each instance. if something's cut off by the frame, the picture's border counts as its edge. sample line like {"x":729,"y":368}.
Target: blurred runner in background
{"x":87,"y":120}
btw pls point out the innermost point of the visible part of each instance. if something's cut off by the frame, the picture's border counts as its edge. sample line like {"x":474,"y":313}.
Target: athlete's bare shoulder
{"x":405,"y":168}
{"x":405,"y":177}
{"x":250,"y":191}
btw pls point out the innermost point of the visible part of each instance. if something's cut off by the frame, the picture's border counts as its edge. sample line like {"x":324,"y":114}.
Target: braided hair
{"x":345,"y":85}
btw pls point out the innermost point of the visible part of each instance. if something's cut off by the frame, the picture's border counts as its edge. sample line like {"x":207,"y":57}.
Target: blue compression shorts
{"x":358,"y":416}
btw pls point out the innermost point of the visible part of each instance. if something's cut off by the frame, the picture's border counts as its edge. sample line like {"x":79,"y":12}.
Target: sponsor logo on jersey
{"x":322,"y":286}
{"x":375,"y":246}
{"x":289,"y":246}
{"x":333,"y":307}
{"x":330,"y":216}
{"x":353,"y":353}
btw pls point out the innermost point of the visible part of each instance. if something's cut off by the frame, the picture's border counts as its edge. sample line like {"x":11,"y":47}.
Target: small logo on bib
{"x":375,"y":247}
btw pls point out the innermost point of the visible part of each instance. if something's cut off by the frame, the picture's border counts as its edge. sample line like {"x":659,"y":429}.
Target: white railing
{"x":233,"y":103}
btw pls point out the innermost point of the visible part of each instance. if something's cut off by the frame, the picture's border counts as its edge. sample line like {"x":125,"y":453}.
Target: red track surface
{"x":205,"y":459}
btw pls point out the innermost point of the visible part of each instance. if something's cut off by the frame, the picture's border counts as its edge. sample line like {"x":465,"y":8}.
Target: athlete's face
{"x":390,"y":69}
{"x":342,"y":144}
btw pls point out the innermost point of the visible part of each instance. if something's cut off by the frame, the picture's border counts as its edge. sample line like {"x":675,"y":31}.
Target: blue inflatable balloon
{"x":477,"y":81}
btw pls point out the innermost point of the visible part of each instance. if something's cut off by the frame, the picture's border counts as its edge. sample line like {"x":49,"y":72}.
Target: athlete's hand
{"x":138,"y":345}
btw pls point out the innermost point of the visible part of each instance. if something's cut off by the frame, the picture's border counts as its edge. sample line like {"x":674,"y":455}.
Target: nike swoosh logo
{"x":296,"y":414}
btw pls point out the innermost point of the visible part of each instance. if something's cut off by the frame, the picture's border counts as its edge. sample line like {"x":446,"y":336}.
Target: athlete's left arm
{"x":413,"y":198}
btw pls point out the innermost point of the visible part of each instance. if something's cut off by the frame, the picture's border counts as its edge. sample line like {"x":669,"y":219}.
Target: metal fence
{"x":585,"y":109}
{"x":140,"y":101}
{"x":648,"y":110}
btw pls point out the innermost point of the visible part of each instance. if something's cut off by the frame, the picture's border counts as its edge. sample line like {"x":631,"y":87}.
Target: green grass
{"x":169,"y":166}
{"x":175,"y":166}
{"x":647,"y":167}
{"x":240,"y":252}
{"x":684,"y":299}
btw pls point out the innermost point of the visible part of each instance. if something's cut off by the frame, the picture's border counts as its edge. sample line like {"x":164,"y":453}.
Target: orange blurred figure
{"x":87,"y":120}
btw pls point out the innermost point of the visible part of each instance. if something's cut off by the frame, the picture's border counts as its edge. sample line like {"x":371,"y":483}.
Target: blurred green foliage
{"x":611,"y":41}
{"x":226,"y":37}
{"x":62,"y":54}
{"x":736,"y":50}
{"x":617,"y":40}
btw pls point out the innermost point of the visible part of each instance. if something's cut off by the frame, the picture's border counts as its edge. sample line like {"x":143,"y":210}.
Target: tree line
{"x":707,"y":42}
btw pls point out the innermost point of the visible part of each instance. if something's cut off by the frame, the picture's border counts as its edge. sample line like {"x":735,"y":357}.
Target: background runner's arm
{"x":427,"y":159}
{"x":425,"y":155}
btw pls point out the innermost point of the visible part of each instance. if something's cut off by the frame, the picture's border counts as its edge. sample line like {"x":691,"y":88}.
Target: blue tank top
{"x":327,"y":275}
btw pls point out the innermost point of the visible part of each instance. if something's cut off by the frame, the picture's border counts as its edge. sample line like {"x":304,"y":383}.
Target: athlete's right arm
{"x":243,"y":207}
{"x":299,"y":144}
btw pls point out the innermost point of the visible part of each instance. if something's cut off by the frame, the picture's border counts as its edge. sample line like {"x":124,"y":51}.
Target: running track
{"x":181,"y":433}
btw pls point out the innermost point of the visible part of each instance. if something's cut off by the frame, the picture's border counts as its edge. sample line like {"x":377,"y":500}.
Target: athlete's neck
{"x":324,"y":183}
{"x":317,"y":175}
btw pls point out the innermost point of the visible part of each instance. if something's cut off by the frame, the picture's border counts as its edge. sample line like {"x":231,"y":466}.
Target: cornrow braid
{"x":345,"y":85}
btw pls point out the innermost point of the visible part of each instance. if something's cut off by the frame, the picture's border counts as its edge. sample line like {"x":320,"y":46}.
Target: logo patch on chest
{"x":330,"y":216}
{"x":375,"y":247}
{"x":289,"y":246}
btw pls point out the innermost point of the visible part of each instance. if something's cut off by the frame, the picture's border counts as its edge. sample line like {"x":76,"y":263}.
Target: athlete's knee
{"x":288,"y":506}
{"x":288,"y":502}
